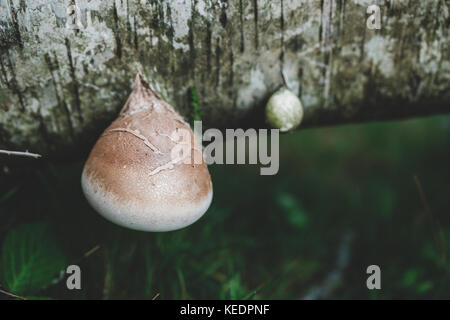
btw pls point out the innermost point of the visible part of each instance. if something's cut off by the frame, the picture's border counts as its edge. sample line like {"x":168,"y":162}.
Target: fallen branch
{"x":12,"y":295}
{"x":20,"y":154}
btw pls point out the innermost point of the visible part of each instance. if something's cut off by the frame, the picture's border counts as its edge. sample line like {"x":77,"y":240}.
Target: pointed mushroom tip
{"x":139,"y":75}
{"x":139,"y":78}
{"x":140,"y":83}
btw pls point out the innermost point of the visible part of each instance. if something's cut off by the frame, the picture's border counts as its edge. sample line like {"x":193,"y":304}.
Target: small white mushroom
{"x":131,"y":177}
{"x":284,"y":110}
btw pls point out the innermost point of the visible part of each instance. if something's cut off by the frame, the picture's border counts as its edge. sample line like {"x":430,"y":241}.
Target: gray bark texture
{"x":67,"y":67}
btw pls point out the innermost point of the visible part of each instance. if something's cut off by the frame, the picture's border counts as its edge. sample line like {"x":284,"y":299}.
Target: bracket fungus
{"x":135,"y":175}
{"x":284,"y":110}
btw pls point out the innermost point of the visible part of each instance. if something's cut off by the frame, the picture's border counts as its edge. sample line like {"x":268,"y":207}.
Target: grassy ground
{"x":344,"y":198}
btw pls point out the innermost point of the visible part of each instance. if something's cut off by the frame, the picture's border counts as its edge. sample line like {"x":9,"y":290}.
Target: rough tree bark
{"x":66,"y":67}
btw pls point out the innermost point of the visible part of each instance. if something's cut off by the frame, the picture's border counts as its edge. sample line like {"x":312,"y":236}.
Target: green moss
{"x":194,"y":103}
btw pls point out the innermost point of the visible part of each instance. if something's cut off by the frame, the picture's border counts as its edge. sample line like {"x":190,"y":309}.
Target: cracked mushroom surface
{"x":132,"y":177}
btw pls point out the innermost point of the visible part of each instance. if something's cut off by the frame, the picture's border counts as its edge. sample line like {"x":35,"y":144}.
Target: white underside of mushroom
{"x":133,"y":214}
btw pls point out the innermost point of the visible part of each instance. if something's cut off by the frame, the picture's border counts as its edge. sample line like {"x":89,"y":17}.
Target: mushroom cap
{"x":131,"y":178}
{"x":284,"y":110}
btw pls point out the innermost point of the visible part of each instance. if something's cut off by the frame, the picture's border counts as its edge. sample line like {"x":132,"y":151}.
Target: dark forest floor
{"x":345,"y":198}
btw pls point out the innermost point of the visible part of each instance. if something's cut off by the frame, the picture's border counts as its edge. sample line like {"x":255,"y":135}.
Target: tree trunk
{"x":66,"y":67}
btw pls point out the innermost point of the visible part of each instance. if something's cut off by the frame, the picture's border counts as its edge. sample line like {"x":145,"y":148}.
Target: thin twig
{"x":108,"y":276}
{"x":335,"y":277}
{"x":87,"y":254}
{"x":21,"y":154}
{"x":12,"y":295}
{"x":156,"y":296}
{"x":438,"y":234}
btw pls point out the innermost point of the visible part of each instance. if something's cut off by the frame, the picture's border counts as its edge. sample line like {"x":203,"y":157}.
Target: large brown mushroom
{"x":136,"y":177}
